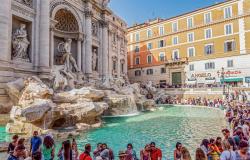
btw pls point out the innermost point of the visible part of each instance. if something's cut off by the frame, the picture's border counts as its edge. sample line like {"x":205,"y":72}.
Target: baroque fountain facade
{"x":64,"y":64}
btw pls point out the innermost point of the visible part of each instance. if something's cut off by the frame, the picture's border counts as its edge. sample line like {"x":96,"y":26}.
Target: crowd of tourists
{"x":234,"y":145}
{"x":45,"y":150}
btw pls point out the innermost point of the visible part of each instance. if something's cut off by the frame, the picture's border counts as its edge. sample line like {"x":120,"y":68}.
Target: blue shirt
{"x":11,"y":157}
{"x":35,"y":143}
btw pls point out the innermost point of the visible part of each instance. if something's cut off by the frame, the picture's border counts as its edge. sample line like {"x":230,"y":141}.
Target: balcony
{"x":176,"y":61}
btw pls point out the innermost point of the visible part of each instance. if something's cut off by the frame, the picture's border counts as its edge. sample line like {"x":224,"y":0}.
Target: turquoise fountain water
{"x":166,"y":126}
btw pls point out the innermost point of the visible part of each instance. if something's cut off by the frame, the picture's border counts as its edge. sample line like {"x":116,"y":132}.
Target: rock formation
{"x":39,"y":107}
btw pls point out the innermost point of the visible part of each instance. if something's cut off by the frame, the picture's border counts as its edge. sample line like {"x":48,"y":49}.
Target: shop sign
{"x":201,"y":75}
{"x":230,"y":73}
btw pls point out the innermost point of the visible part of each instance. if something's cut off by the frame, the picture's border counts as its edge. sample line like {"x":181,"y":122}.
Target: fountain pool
{"x":186,"y":124}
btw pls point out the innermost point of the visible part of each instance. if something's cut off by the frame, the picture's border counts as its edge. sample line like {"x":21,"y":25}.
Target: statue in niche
{"x":94,"y":29}
{"x":94,"y":60}
{"x":20,"y":44}
{"x":68,"y":59}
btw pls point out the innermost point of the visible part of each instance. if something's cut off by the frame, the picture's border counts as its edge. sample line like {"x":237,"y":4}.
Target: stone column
{"x":100,"y":51}
{"x":105,"y":49}
{"x":79,"y":53}
{"x":119,"y":57}
{"x":5,"y":20}
{"x":88,"y":48}
{"x":44,"y":58}
{"x":51,"y":47}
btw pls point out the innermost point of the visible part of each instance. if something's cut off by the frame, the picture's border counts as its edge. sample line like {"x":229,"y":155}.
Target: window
{"x":149,"y":71}
{"x":161,"y":30}
{"x":162,"y":56}
{"x":137,"y":37}
{"x":131,"y":37}
{"x":137,"y":60}
{"x":138,"y":73}
{"x":208,"y":33}
{"x":161,"y":44}
{"x":191,"y":67}
{"x":209,"y":65}
{"x":190,"y":37}
{"x":228,"y":12}
{"x":209,"y":49}
{"x":230,"y":63}
{"x":229,"y":46}
{"x":131,"y":48}
{"x":149,"y":46}
{"x":175,"y":55}
{"x":163,"y":70}
{"x":137,"y":49}
{"x":174,"y":27}
{"x":149,"y":58}
{"x":228,"y":29}
{"x":175,"y":40}
{"x":190,"y":22}
{"x":191,"y":52}
{"x":207,"y":18}
{"x":149,"y":33}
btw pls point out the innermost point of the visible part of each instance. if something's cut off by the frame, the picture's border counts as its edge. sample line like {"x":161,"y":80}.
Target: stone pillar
{"x":51,"y":47}
{"x":83,"y":56}
{"x":105,"y":49}
{"x":44,"y":58}
{"x":119,"y":57}
{"x":79,"y":53}
{"x":88,"y":48}
{"x":100,"y":51}
{"x":5,"y":20}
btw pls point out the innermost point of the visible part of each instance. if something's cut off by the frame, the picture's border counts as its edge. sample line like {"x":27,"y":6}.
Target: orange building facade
{"x":194,"y":48}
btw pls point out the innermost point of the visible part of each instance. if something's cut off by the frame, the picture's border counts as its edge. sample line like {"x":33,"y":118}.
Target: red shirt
{"x":85,"y":156}
{"x":156,"y":154}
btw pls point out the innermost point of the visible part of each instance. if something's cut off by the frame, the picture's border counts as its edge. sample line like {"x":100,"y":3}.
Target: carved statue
{"x":105,"y":3}
{"x":94,"y":29}
{"x":68,"y":59}
{"x":20,"y":43}
{"x":94,"y":60}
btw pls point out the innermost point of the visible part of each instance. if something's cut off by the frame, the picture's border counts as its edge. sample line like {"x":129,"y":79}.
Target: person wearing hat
{"x":122,"y":155}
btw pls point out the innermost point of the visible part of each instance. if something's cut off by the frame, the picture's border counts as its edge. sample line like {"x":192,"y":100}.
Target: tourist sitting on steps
{"x":156,"y":153}
{"x":177,"y":151}
{"x":131,"y":154}
{"x":122,"y":155}
{"x":145,"y":153}
{"x":86,"y":154}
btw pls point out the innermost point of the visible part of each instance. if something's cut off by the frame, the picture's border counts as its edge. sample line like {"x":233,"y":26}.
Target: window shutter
{"x":205,"y":49}
{"x":212,"y":48}
{"x":159,"y":44}
{"x":234,"y":45}
{"x":225,"y":47}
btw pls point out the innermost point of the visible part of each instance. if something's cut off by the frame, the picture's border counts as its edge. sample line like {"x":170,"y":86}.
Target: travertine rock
{"x":14,"y":89}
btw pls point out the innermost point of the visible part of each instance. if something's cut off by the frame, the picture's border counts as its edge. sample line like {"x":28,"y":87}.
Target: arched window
{"x":66,"y":21}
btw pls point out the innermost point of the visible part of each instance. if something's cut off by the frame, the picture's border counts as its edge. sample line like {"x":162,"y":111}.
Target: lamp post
{"x":223,"y":80}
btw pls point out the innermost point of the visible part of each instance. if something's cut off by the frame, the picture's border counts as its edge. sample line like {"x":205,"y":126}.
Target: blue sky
{"x":139,"y":11}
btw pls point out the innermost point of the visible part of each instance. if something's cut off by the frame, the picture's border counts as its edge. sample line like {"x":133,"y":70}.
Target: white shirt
{"x":228,"y":155}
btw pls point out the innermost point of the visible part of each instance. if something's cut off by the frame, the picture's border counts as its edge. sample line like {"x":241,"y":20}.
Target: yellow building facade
{"x":200,"y":47}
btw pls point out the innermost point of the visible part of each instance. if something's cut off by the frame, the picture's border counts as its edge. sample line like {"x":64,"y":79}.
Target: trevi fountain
{"x":63,"y":67}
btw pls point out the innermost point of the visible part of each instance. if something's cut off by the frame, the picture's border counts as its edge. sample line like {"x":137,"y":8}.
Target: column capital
{"x":88,"y":12}
{"x":103,"y":23}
